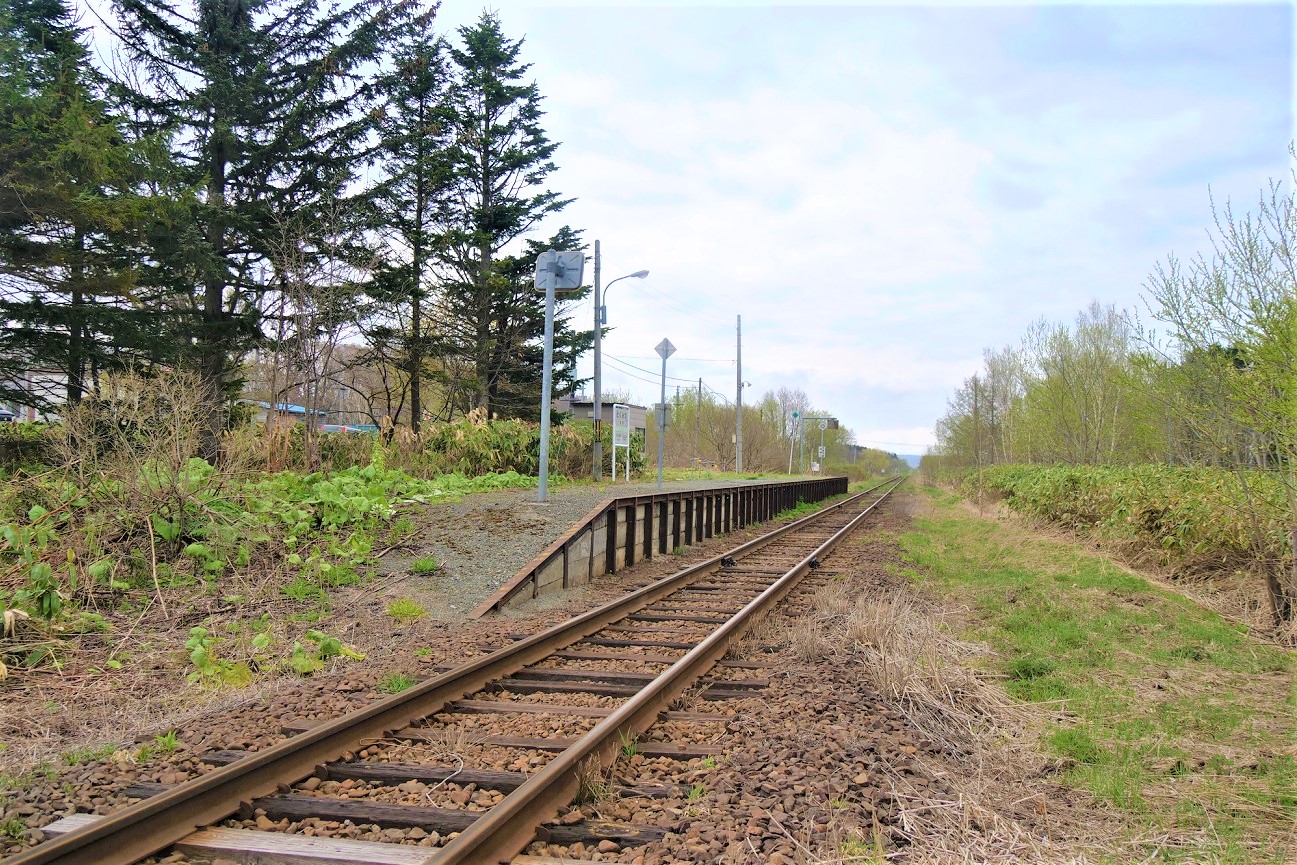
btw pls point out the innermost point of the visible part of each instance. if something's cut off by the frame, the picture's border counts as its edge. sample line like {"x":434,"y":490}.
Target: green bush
{"x":1187,"y":515}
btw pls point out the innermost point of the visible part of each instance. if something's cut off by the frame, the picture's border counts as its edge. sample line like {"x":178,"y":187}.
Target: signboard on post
{"x":620,"y":436}
{"x":555,"y":271}
{"x":564,"y":269}
{"x":620,"y":426}
{"x":664,"y":349}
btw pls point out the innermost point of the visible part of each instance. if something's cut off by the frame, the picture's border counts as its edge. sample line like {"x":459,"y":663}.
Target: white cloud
{"x":880,"y":193}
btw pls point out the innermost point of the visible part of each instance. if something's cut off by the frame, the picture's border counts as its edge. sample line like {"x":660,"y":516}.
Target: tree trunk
{"x":416,"y":266}
{"x":212,"y":345}
{"x":483,"y":353}
{"x":76,"y":349}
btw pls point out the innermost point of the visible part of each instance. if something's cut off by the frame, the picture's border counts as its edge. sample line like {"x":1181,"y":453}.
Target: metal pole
{"x":598,"y":339}
{"x":662,"y":418}
{"x":790,"y":447}
{"x":698,"y":424}
{"x":546,"y":384}
{"x":823,"y":453}
{"x":738,"y":376}
{"x":801,"y":448}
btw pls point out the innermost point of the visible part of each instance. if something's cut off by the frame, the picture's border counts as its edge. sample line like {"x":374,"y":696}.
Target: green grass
{"x":88,"y":754}
{"x":669,"y":474}
{"x":406,"y":610}
{"x":14,"y":829}
{"x":395,"y":683}
{"x":802,"y":509}
{"x":424,"y":565}
{"x":166,"y":743}
{"x":1175,"y":714}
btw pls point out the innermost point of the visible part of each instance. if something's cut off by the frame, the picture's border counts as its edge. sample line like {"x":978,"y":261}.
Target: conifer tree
{"x":70,"y":216}
{"x":267,"y":107}
{"x":501,"y":158}
{"x":412,"y":201}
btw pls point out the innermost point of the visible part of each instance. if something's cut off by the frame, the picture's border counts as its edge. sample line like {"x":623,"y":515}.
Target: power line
{"x":728,"y":360}
{"x":718,"y":393}
{"x":636,"y":377}
{"x":621,"y":362}
{"x":695,"y":312}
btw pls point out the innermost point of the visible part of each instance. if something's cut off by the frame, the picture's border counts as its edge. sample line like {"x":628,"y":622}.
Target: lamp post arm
{"x":600,"y":300}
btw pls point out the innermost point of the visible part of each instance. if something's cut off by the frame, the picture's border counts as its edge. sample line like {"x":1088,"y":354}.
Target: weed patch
{"x":395,"y":683}
{"x":424,"y":565}
{"x":1153,"y":699}
{"x":406,"y":610}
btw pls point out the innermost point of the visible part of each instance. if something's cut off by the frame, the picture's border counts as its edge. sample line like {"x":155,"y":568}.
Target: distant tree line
{"x":701,"y":431}
{"x":1204,"y":374}
{"x":279,"y":185}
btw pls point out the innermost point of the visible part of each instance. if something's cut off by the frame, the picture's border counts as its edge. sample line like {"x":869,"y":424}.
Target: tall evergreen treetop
{"x":501,"y":158}
{"x":412,"y":201}
{"x":267,"y":105}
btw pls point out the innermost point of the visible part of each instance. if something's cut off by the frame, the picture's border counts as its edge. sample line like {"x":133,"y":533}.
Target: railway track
{"x":604,"y":677}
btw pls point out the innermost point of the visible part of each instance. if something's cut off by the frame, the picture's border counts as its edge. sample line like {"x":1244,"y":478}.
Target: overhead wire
{"x":622,"y":363}
{"x":695,"y":312}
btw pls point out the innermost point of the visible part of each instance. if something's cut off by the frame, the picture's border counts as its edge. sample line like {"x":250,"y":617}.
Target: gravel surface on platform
{"x":484,"y":539}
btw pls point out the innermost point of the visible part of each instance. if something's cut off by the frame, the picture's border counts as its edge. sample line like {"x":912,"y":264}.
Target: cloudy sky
{"x":881,"y":192}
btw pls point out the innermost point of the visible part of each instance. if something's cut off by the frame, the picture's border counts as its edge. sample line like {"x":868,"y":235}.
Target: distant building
{"x":34,"y":388}
{"x":287,"y":413}
{"x":583,"y":409}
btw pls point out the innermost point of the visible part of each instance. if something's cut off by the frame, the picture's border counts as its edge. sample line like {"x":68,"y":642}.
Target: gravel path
{"x":484,"y":539}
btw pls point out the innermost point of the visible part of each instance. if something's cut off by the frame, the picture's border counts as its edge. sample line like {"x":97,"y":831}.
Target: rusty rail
{"x":160,"y":821}
{"x":618,"y":532}
{"x":506,"y":829}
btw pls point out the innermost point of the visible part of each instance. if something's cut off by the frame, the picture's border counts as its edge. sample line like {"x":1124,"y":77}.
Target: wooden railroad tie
{"x":393,"y":774}
{"x":252,"y":847}
{"x":554,"y":744}
{"x":441,"y":820}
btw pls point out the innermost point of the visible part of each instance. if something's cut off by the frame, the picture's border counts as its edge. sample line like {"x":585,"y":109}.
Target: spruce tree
{"x":71,"y":219}
{"x":412,"y":201}
{"x":267,"y":107}
{"x":501,"y":158}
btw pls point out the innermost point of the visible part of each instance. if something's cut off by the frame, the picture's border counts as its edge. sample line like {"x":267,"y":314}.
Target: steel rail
{"x":508,"y":827}
{"x":156,"y":823}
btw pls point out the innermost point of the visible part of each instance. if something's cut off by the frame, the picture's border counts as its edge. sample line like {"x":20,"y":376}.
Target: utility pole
{"x":791,"y":433}
{"x":738,"y":402}
{"x":698,"y":422}
{"x":977,"y":444}
{"x":600,"y":319}
{"x":555,"y":271}
{"x":598,"y":407}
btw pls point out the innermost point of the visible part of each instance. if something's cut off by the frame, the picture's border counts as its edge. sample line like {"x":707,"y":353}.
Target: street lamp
{"x":600,"y":318}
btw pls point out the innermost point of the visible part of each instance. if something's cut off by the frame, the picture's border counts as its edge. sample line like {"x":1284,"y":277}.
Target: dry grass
{"x":760,"y":635}
{"x":450,"y":740}
{"x":998,"y":810}
{"x":594,"y":784}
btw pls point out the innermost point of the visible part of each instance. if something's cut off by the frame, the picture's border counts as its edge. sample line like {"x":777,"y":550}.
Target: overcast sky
{"x":882,"y":192}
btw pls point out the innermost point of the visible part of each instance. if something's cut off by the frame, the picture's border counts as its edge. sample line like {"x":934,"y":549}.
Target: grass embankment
{"x":1164,"y":709}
